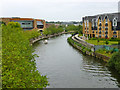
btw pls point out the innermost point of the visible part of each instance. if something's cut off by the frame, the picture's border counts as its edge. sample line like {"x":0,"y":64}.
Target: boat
{"x":45,"y":42}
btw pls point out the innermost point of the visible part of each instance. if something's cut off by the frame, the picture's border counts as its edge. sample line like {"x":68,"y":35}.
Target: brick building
{"x":26,"y":23}
{"x":102,"y":26}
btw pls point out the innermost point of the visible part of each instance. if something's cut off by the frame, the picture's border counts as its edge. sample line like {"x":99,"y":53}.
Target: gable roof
{"x":110,"y":16}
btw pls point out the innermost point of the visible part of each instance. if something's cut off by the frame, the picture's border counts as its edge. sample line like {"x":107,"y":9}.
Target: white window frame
{"x":115,"y":22}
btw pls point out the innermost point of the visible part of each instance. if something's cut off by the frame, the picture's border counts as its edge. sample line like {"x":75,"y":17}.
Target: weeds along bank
{"x":18,"y":63}
{"x":113,"y":62}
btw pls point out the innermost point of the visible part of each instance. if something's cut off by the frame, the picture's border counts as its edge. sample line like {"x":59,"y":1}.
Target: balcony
{"x":100,"y":28}
{"x":99,"y":32}
{"x":114,"y":32}
{"x":100,"y":24}
{"x":106,"y":24}
{"x":106,"y":36}
{"x":106,"y":32}
{"x":99,"y":36}
{"x":106,"y":28}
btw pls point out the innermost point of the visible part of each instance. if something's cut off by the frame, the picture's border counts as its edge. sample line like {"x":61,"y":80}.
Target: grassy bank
{"x":18,"y":64}
{"x":114,"y":61}
{"x":102,"y":42}
{"x":83,"y":48}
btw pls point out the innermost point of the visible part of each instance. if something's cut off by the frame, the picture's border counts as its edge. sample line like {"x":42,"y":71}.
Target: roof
{"x":111,"y":16}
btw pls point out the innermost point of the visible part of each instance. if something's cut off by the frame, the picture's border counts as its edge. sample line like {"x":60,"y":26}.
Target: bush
{"x":77,"y":29}
{"x":18,"y":63}
{"x":107,"y":42}
{"x":31,"y":34}
{"x":53,"y":30}
{"x":114,"y":62}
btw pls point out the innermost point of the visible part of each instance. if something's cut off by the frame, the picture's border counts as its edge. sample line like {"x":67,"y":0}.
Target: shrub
{"x":107,"y":42}
{"x":114,"y":62}
{"x":53,"y":30}
{"x":18,"y":63}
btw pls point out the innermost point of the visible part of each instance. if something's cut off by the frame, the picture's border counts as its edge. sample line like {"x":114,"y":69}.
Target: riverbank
{"x":33,"y":40}
{"x":66,"y":67}
{"x":86,"y":48}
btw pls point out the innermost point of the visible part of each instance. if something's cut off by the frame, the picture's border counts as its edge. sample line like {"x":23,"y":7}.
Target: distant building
{"x":67,"y":23}
{"x":81,"y":23}
{"x":50,"y":24}
{"x":102,"y":26}
{"x":26,"y":23}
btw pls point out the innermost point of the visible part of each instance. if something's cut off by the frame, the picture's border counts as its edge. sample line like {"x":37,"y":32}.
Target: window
{"x":106,"y":32}
{"x":106,"y":28}
{"x":99,"y":19}
{"x":25,"y":24}
{"x":115,"y":36}
{"x":100,"y":28}
{"x":106,"y":36}
{"x":114,"y":32}
{"x":103,"y":35}
{"x":115,"y":22}
{"x":40,"y":24}
{"x":99,"y":36}
{"x":106,"y":19}
{"x":87,"y":23}
{"x":93,"y":22}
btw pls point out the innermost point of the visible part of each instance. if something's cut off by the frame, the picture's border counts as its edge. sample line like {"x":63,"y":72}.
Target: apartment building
{"x":26,"y":23}
{"x":102,"y":26}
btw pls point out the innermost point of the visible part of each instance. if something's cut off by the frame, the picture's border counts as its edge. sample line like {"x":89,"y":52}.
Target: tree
{"x":18,"y":63}
{"x":114,"y":61}
{"x":107,"y":42}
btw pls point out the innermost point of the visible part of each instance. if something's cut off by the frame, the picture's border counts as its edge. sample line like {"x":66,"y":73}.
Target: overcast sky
{"x":56,"y":10}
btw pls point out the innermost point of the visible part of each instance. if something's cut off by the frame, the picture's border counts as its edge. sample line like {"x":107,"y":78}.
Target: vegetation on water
{"x":53,"y":30}
{"x":18,"y":63}
{"x":114,"y":62}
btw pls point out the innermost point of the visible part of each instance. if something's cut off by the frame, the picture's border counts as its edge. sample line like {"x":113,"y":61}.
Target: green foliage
{"x":77,"y":29}
{"x":114,"y":39}
{"x":2,"y":23}
{"x":18,"y":63}
{"x":107,"y":42}
{"x":53,"y":30}
{"x":84,"y":49}
{"x":114,"y":62}
{"x":14,"y":25}
{"x":98,"y":40}
{"x":106,"y":52}
{"x":31,"y":34}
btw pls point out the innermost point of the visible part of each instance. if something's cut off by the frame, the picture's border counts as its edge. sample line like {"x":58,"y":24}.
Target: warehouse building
{"x":26,"y":23}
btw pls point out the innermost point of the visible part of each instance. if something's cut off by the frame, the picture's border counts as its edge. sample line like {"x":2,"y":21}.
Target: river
{"x":66,"y":67}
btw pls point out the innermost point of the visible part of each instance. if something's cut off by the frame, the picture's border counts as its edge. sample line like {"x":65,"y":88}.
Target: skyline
{"x":54,"y":10}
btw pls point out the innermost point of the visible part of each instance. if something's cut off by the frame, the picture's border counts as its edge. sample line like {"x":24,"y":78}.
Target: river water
{"x":66,"y":67}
